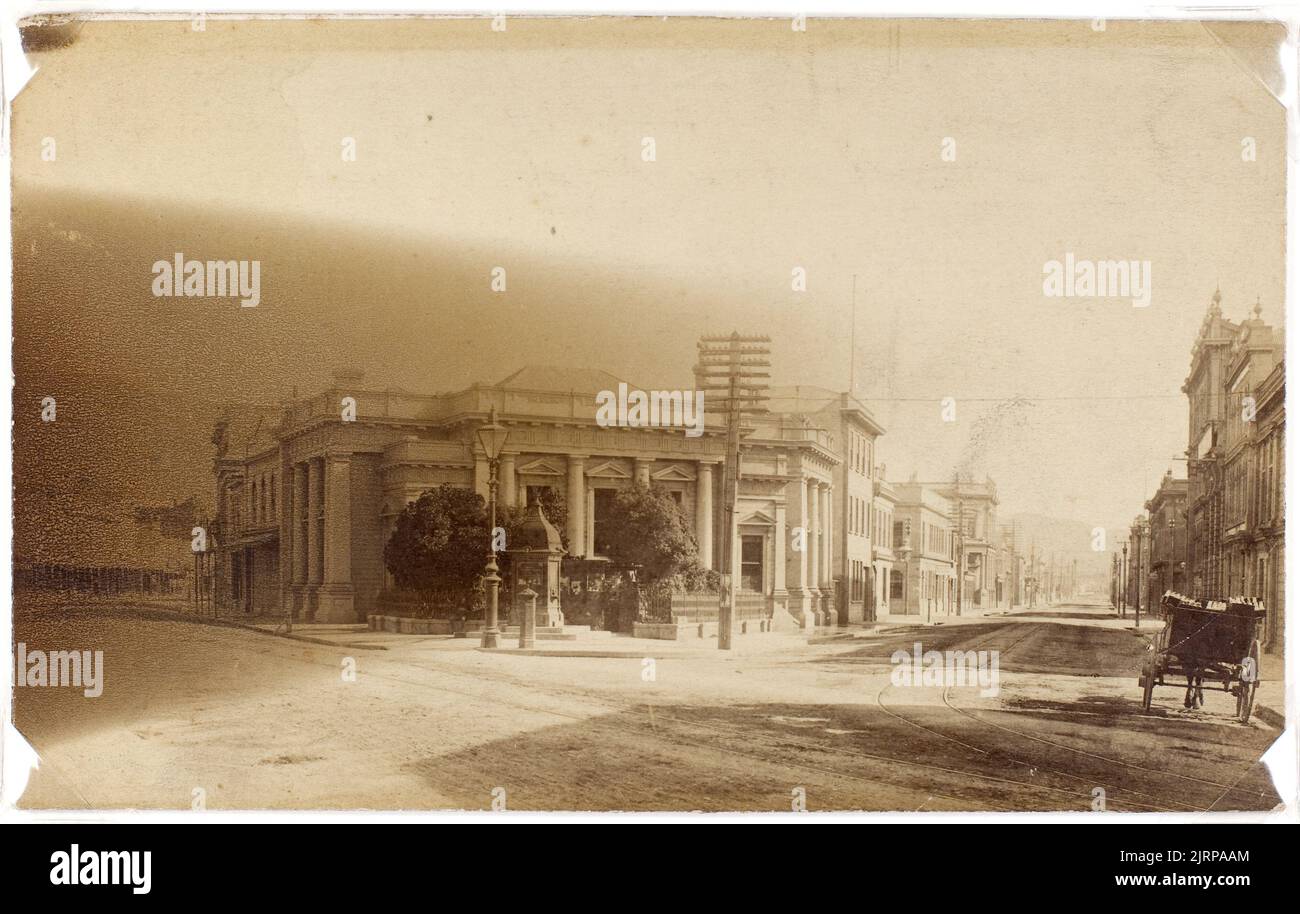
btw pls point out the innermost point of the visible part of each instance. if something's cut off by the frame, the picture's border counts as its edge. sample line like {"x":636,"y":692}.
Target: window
{"x":603,"y":500}
{"x":895,"y":585}
{"x":751,"y":563}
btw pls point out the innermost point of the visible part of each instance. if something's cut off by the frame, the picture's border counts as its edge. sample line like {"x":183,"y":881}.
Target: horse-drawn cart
{"x":1205,"y":639}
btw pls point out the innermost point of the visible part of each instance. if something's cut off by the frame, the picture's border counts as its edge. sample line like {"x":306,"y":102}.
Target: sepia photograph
{"x":626,"y":414}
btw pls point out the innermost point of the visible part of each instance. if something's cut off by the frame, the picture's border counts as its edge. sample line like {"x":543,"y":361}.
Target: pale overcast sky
{"x":774,"y":149}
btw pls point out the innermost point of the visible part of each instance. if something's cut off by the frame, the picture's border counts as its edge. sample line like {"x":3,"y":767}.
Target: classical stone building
{"x":1207,"y":413}
{"x":307,"y":493}
{"x":1255,"y":352}
{"x":883,"y":557}
{"x":1167,"y":521}
{"x":850,"y":499}
{"x":1236,"y":433}
{"x":1269,"y":521}
{"x":924,"y":584}
{"x":983,"y":584}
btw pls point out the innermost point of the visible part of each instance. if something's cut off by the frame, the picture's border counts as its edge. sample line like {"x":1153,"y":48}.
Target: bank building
{"x":308,"y":493}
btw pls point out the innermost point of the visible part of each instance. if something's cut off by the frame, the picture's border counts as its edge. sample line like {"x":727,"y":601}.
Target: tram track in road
{"x":731,"y":731}
{"x":867,"y":771}
{"x":1221,"y":788}
{"x":679,"y":738}
{"x":1157,"y":806}
{"x":778,"y":745}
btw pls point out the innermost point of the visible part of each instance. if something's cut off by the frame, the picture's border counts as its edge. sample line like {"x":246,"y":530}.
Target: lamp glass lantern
{"x":493,"y":437}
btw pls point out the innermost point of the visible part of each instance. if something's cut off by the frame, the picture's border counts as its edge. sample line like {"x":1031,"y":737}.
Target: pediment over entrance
{"x":609,"y":469}
{"x":541,"y":467}
{"x":758,"y":519}
{"x":673,"y":474}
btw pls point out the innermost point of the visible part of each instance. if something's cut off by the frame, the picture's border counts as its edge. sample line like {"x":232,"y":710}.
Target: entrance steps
{"x":560,"y":633}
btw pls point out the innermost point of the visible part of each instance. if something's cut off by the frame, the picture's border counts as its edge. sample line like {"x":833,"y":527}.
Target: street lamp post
{"x":1123,"y":584}
{"x":493,"y":439}
{"x":1141,"y":582}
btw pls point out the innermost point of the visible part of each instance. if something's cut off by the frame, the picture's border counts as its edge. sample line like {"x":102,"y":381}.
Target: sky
{"x":774,"y":150}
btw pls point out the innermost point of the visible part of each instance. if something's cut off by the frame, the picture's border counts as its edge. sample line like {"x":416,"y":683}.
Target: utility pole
{"x":737,"y":367}
{"x":1114,"y":580}
{"x":961,"y":540}
{"x":1123,"y":584}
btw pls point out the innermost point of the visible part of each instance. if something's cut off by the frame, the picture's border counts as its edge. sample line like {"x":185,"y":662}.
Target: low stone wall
{"x":694,"y":631}
{"x":703,"y":607}
{"x":407,"y":626}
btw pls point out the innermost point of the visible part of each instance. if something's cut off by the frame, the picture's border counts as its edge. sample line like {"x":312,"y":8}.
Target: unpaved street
{"x":239,"y":719}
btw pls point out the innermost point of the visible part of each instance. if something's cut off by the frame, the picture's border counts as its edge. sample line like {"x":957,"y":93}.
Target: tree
{"x":440,"y":544}
{"x":647,"y":530}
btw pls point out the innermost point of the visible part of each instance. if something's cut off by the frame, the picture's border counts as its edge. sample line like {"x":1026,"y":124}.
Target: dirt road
{"x":226,"y":718}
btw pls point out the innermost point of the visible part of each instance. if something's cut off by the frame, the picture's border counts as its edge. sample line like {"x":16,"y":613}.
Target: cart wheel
{"x":1246,"y":688}
{"x":1148,"y":681}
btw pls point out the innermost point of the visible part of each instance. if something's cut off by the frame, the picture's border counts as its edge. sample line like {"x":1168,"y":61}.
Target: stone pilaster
{"x":315,"y":531}
{"x":814,"y":528}
{"x":704,"y":512}
{"x":335,"y":596}
{"x":508,"y":482}
{"x":298,"y":541}
{"x":576,"y":502}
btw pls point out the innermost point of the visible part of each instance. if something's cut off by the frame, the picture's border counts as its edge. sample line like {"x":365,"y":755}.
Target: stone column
{"x":781,"y":619}
{"x":814,"y":527}
{"x":315,"y":482}
{"x":296,"y":507}
{"x":301,"y":521}
{"x":576,"y":499}
{"x":507,"y":483}
{"x":704,"y":512}
{"x":335,"y":597}
{"x":643,"y":471}
{"x":828,"y":549}
{"x":481,"y":473}
{"x":800,"y":599}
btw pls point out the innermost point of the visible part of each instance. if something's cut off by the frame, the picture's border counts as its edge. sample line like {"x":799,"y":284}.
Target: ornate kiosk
{"x":535,"y":556}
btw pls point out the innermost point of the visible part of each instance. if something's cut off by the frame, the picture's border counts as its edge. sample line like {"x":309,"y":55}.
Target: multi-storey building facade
{"x":883,"y":504}
{"x":1254,"y":354}
{"x":974,"y":507}
{"x":1237,"y":419}
{"x":924,"y":554}
{"x":308,"y":493}
{"x":1013,"y":570}
{"x":1207,"y":412}
{"x":1269,"y":504}
{"x":1167,"y":521}
{"x":848,"y":552}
